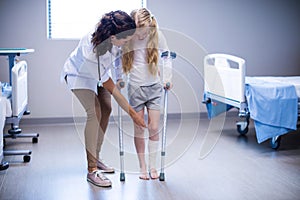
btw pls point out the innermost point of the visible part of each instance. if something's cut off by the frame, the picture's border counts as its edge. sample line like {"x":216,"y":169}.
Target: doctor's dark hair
{"x":117,"y":23}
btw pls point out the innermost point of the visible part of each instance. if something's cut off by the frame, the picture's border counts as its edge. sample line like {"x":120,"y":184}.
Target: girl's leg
{"x":92,"y":128}
{"x":139,"y":142}
{"x":153,"y":127}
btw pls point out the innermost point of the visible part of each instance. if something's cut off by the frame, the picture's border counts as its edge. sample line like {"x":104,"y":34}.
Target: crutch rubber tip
{"x":122,"y":176}
{"x":162,"y":177}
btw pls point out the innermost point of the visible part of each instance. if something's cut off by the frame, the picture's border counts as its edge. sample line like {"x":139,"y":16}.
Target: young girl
{"x":140,"y":61}
{"x":87,"y":73}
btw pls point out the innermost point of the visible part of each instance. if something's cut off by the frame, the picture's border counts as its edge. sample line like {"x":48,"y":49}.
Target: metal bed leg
{"x":26,"y":154}
{"x":15,"y":132}
{"x":242,"y":126}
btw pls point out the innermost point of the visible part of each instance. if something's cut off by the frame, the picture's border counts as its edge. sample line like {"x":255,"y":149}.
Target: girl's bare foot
{"x":144,"y":175}
{"x":153,"y":174}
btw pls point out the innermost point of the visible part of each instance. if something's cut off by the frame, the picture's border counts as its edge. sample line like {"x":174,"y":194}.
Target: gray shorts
{"x":145,"y":96}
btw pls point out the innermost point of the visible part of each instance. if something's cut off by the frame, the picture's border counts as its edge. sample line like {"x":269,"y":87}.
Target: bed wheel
{"x":275,"y":142}
{"x":35,"y":140}
{"x":4,"y":166}
{"x":26,"y":159}
{"x":242,"y":127}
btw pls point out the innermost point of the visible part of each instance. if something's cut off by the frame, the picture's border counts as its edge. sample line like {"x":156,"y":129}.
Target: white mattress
{"x":293,"y":80}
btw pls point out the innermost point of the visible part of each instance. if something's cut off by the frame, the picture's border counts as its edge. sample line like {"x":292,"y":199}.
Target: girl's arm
{"x":111,"y":87}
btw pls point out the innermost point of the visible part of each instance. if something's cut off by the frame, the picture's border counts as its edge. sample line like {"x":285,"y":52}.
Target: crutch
{"x":165,"y":55}
{"x":117,"y":66}
{"x":121,"y":143}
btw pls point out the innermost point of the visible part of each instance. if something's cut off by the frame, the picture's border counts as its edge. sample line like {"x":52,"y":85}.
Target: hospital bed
{"x":272,"y":102}
{"x":16,"y":93}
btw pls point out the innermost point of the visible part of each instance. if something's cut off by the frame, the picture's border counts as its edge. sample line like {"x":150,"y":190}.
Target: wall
{"x":264,"y":32}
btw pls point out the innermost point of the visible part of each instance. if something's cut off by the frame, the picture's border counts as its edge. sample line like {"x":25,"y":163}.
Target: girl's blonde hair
{"x":143,"y":17}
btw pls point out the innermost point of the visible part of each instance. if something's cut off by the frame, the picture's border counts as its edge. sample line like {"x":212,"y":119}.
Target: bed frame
{"x":224,"y":80}
{"x":224,"y":77}
{"x":19,"y":102}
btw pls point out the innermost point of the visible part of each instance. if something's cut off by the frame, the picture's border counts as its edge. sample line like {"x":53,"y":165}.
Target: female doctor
{"x":87,"y":74}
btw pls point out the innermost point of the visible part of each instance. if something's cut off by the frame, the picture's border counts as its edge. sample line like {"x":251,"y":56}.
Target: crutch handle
{"x":122,"y":84}
{"x":164,"y":54}
{"x":168,"y":85}
{"x":173,"y":55}
{"x":167,"y":53}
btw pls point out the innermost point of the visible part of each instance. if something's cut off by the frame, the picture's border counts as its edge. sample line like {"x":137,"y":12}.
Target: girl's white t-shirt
{"x":139,"y":74}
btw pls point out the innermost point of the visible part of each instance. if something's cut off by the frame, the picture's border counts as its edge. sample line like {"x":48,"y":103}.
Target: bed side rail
{"x":19,"y":88}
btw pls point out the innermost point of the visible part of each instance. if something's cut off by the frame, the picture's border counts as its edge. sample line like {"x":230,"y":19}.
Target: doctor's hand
{"x":138,"y":120}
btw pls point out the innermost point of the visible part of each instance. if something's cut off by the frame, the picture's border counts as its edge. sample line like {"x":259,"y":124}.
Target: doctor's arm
{"x":111,"y":87}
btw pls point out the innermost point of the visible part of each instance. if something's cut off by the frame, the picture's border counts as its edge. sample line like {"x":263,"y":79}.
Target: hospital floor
{"x":201,"y":163}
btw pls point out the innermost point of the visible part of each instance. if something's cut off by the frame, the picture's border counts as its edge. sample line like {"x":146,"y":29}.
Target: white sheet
{"x":293,"y":80}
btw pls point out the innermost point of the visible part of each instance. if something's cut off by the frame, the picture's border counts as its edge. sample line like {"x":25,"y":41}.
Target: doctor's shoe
{"x":104,"y":167}
{"x":98,"y":179}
